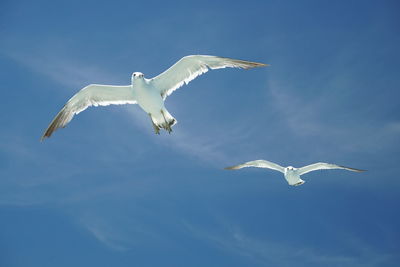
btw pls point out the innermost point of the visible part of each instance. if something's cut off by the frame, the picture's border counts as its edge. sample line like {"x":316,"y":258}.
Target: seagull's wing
{"x":91,"y":95}
{"x":258,"y":164}
{"x":189,"y":67}
{"x":324,"y":166}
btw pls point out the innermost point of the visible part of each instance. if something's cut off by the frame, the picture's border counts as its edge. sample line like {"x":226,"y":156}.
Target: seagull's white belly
{"x":293,"y":178}
{"x":149,"y":99}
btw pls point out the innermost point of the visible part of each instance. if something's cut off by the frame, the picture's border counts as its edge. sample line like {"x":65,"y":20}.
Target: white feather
{"x":190,"y":67}
{"x":91,"y":95}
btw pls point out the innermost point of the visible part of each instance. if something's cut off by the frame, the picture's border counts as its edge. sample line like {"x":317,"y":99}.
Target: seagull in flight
{"x":149,"y":94}
{"x":292,"y":174}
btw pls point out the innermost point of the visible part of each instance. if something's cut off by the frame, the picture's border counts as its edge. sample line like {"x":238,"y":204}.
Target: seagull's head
{"x":290,"y":168}
{"x":137,"y":75}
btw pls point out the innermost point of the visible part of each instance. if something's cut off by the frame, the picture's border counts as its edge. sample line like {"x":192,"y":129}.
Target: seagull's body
{"x":291,"y":174}
{"x":149,"y":94}
{"x":151,"y":101}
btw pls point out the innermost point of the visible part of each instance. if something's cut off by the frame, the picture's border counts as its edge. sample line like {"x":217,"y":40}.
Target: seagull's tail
{"x":299,"y":183}
{"x":164,"y":120}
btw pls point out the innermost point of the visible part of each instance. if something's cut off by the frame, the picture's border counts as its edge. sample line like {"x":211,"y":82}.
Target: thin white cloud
{"x":104,"y":234}
{"x":67,"y":72}
{"x":306,"y":118}
{"x":231,"y":238}
{"x":300,"y":116}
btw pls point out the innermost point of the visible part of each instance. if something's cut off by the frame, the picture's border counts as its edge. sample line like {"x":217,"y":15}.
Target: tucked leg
{"x":156,"y":128}
{"x":167,"y":125}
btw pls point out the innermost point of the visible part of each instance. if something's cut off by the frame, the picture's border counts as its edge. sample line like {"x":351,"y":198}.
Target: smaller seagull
{"x":292,"y":174}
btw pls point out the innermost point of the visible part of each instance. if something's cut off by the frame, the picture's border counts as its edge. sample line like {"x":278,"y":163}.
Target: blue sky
{"x":106,"y":191}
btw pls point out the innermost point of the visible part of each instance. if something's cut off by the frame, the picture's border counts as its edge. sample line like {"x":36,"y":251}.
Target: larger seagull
{"x":149,"y":94}
{"x":292,"y":174}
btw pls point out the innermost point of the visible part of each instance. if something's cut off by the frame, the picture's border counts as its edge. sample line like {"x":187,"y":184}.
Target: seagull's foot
{"x":171,"y":122}
{"x":155,"y":127}
{"x":168,"y":128}
{"x":167,"y":124}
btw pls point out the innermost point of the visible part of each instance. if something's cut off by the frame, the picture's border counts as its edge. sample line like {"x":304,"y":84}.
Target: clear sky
{"x":107,"y":191}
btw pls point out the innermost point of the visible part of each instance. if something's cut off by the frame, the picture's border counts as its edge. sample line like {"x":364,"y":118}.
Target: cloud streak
{"x":262,"y":252}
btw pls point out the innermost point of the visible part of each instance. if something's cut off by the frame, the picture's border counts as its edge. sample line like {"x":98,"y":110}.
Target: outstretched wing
{"x":258,"y":164}
{"x":189,"y":67}
{"x":324,"y":166}
{"x":91,"y":95}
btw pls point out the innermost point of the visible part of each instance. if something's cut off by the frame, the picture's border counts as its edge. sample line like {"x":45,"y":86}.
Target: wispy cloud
{"x":310,"y":115}
{"x":68,"y":72}
{"x":301,"y":117}
{"x":231,"y":238}
{"x":105,"y":234}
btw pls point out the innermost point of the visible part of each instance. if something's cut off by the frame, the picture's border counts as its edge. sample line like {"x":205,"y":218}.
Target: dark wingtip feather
{"x":353,"y":169}
{"x":56,"y":123}
{"x":358,"y":170}
{"x":256,"y":65}
{"x":250,"y":64}
{"x":231,"y":168}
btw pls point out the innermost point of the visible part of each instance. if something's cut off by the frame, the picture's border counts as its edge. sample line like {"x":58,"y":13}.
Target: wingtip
{"x":231,"y":168}
{"x":258,"y":65}
{"x":45,"y":135}
{"x":353,"y":169}
{"x":358,"y":170}
{"x":248,"y":64}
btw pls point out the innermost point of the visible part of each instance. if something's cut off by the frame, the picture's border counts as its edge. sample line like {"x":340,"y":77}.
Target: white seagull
{"x":149,"y":94}
{"x":292,"y":174}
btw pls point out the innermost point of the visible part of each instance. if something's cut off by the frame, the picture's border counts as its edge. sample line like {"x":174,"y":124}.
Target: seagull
{"x":149,"y":94}
{"x":292,"y":174}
